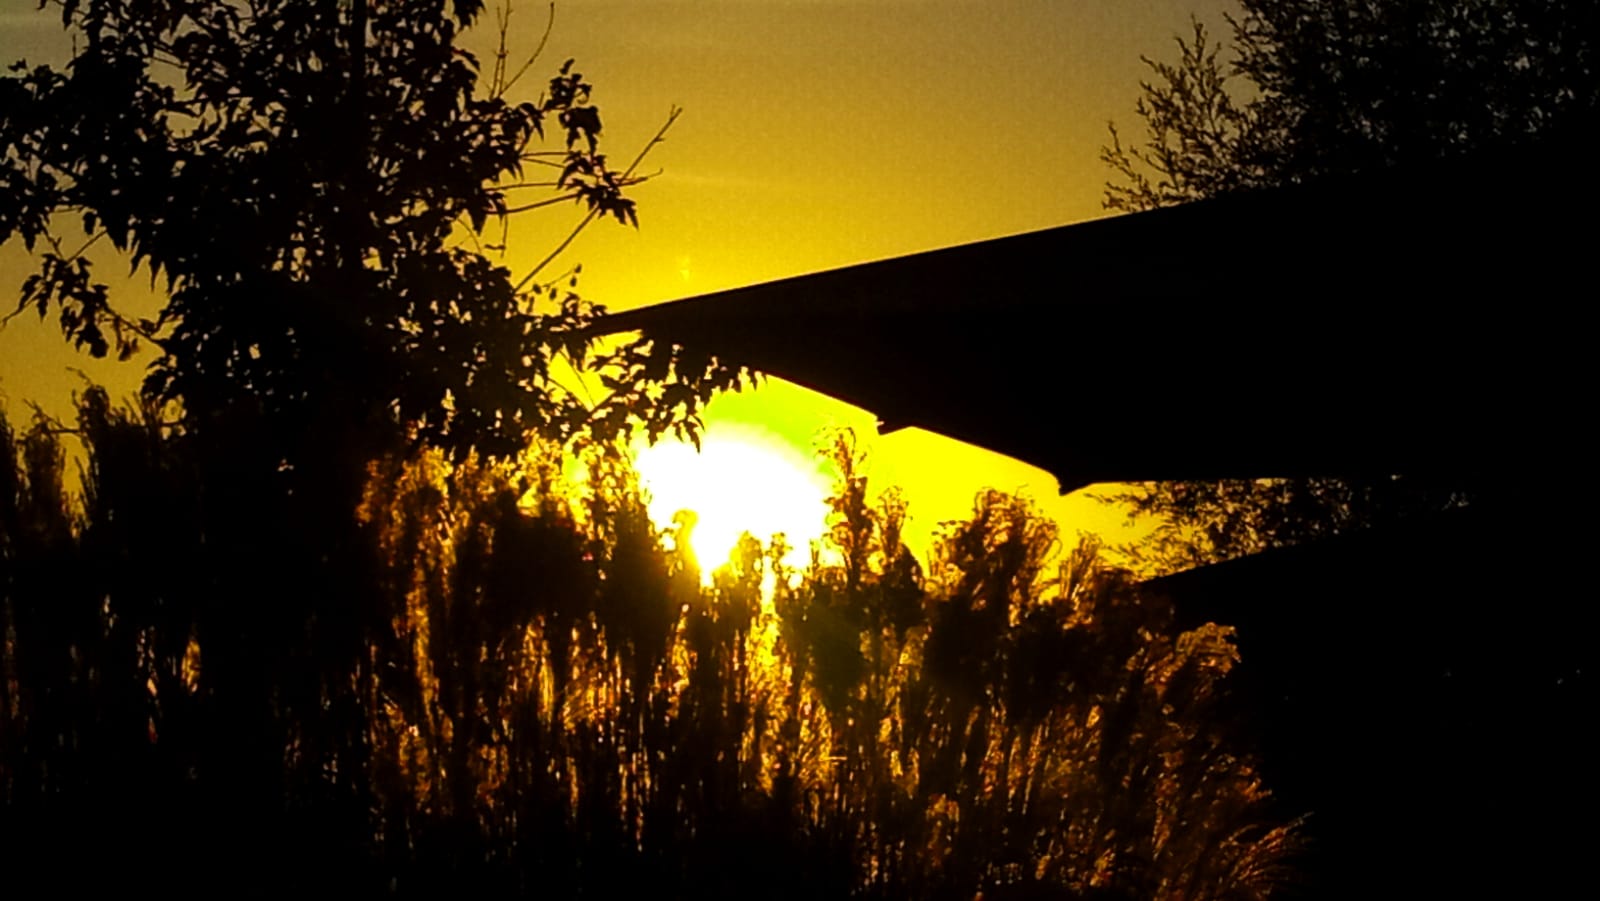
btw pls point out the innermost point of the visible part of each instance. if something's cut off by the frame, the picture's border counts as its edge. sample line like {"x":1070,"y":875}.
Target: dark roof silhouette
{"x":1399,"y":322}
{"x":1414,"y":321}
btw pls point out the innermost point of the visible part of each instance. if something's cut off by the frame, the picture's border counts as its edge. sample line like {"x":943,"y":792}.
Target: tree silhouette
{"x":1333,"y":88}
{"x":307,"y":179}
{"x":312,"y":184}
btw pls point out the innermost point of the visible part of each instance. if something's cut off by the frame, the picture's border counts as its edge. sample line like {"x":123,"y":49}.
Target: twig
{"x":86,"y":245}
{"x":538,"y":160}
{"x":672,"y":116}
{"x":48,"y":424}
{"x":583,"y":389}
{"x":549,"y":201}
{"x":546,"y":286}
{"x":549,"y":24}
{"x":502,"y":17}
{"x":106,"y":309}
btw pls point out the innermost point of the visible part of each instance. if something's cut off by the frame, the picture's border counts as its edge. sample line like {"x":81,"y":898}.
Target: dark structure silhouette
{"x":1418,"y":688}
{"x":1382,"y":320}
{"x":1304,"y":90}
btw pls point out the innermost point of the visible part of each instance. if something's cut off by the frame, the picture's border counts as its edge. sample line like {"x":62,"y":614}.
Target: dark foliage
{"x":1332,"y":88}
{"x":545,"y":700}
{"x":1207,"y":522}
{"x":301,"y":177}
{"x":1335,"y":87}
{"x":1351,"y":86}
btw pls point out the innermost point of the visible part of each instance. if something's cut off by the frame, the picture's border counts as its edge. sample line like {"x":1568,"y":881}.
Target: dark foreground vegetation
{"x":483,"y":677}
{"x":298,"y":633}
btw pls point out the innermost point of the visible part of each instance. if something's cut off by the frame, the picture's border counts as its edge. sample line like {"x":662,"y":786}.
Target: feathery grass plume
{"x":508,"y":681}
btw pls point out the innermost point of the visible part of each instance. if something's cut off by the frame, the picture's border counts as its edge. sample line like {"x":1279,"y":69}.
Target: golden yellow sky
{"x":817,"y":134}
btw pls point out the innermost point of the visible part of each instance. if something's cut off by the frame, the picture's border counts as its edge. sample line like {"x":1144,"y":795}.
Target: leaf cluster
{"x":1206,"y":522}
{"x":303,"y":177}
{"x":1332,"y":87}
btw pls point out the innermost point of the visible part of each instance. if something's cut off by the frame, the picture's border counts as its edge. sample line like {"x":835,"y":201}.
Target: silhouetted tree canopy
{"x":309,"y":182}
{"x":1319,"y":88}
{"x":1333,"y":87}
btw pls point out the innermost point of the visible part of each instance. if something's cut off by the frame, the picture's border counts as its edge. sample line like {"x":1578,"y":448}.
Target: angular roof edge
{"x":1408,"y":320}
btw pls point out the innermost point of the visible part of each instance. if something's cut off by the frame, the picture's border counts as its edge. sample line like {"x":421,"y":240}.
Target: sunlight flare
{"x":743,"y":479}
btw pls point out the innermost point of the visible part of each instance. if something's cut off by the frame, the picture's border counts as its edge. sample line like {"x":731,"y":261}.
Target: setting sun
{"x":743,"y":479}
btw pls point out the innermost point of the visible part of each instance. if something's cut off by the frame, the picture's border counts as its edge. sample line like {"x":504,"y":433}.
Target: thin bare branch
{"x":672,"y":116}
{"x":551,"y":201}
{"x":549,"y":24}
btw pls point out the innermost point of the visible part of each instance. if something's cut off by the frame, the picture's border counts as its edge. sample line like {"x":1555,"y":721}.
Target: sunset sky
{"x":816,"y":135}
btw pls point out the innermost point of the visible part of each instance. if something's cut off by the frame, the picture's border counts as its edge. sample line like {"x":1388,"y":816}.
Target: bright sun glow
{"x":744,"y":479}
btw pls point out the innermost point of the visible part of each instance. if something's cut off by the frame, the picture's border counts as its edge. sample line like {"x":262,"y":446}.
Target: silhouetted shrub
{"x":493,"y":676}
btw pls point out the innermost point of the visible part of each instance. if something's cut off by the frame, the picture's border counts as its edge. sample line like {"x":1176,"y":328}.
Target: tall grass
{"x":480,"y":676}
